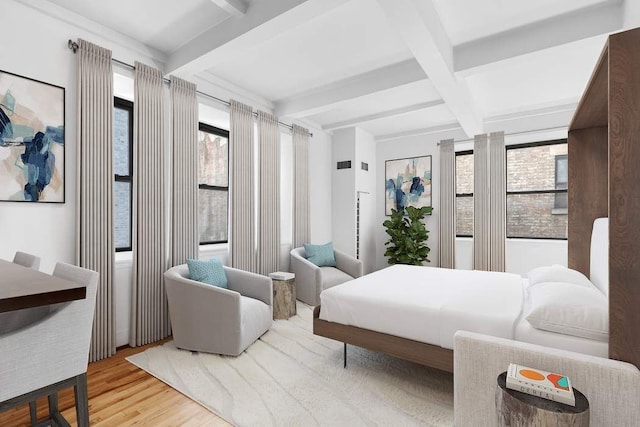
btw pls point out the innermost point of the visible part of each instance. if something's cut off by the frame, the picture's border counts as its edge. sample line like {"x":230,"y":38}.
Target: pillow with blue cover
{"x":320,"y":255}
{"x":209,"y":271}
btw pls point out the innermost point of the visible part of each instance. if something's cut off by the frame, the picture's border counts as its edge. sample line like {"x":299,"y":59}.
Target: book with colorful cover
{"x":540,"y":383}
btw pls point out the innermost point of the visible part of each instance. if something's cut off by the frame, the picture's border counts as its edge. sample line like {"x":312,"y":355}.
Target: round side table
{"x":517,"y":409}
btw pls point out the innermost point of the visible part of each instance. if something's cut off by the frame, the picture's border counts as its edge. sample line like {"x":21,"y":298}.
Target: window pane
{"x":213,"y":160}
{"x":535,"y":216}
{"x":121,"y":141}
{"x":464,"y":174}
{"x":122,"y":206}
{"x":213,"y":215}
{"x":464,"y":216}
{"x":533,"y":168}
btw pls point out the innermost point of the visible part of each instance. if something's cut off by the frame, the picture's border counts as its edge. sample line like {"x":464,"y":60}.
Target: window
{"x":213,"y":184}
{"x":537,"y":176}
{"x":123,"y":168}
{"x":464,"y":194}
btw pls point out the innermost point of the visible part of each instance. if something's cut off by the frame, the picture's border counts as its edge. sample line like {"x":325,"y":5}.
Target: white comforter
{"x":427,"y":304}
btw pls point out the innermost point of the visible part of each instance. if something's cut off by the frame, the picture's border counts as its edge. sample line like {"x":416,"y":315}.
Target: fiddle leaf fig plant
{"x":408,"y":236}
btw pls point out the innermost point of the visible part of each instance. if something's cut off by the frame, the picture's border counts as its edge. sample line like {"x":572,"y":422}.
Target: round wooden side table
{"x":517,"y":409}
{"x":284,"y":298}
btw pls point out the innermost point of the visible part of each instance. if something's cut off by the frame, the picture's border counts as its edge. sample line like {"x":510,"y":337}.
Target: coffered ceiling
{"x":392,"y":67}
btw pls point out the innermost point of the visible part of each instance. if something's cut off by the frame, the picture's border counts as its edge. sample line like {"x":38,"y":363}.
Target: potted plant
{"x":408,"y":236}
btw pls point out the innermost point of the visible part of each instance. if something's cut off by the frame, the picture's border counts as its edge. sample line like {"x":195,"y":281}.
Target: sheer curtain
{"x":95,"y":245}
{"x":184,"y":217}
{"x":150,"y":315}
{"x":242,"y":239}
{"x":301,"y":232}
{"x":269,"y":198}
{"x":447,"y":204}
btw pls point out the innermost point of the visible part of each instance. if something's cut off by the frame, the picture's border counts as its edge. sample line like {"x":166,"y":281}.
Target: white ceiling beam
{"x":232,"y":38}
{"x":601,"y":18}
{"x":232,"y":7}
{"x":448,"y":129}
{"x":383,"y":114}
{"x":418,"y":24}
{"x":324,"y":98}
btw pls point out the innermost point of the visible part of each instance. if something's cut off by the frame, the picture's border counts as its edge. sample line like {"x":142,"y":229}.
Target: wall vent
{"x":346,"y":164}
{"x":364,"y":166}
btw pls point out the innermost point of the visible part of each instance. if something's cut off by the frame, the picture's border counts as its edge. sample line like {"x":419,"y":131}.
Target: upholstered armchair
{"x":311,"y":279}
{"x":217,"y":320}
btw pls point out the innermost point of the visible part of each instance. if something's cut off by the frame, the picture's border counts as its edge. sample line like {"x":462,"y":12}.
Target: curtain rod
{"x":74,"y":47}
{"x":514,"y":133}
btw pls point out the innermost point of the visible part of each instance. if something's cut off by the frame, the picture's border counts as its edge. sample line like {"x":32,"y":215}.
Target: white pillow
{"x":569,"y":309}
{"x":558,"y":273}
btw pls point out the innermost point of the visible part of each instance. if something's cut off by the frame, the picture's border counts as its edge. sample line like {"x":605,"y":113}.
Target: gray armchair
{"x":217,"y":320}
{"x":311,"y":279}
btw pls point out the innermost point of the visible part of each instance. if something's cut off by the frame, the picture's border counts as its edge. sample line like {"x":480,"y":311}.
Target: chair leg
{"x":33,"y":412}
{"x":53,"y":404}
{"x":82,"y":400}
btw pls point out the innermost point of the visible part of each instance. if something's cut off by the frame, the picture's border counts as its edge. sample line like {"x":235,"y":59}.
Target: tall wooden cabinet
{"x":604,"y":180}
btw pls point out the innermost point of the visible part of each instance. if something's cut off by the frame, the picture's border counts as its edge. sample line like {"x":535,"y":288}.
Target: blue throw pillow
{"x":210,"y":272}
{"x":320,"y":255}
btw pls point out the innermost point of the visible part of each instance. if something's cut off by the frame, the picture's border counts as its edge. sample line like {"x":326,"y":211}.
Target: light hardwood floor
{"x":120,"y":394}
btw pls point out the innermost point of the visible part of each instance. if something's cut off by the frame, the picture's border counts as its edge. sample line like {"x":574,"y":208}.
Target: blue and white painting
{"x":407,"y":183}
{"x":31,"y":140}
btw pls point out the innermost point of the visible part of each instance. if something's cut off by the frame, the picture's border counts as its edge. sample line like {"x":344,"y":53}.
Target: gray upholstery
{"x":311,"y":279}
{"x":216,"y":320}
{"x":53,"y":349}
{"x":27,"y":260}
{"x":612,"y":387}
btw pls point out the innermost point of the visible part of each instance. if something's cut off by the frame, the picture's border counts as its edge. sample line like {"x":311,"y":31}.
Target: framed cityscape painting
{"x":32,"y":158}
{"x":407,"y":183}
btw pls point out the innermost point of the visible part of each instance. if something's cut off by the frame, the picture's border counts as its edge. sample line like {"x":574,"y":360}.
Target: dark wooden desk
{"x":22,"y":287}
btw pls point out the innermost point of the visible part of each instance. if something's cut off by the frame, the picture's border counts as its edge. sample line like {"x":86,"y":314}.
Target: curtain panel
{"x":447,"y":204}
{"x":498,"y":197}
{"x":301,"y":210}
{"x":242,"y":239}
{"x":184,"y":190}
{"x":95,"y":240}
{"x":150,"y":314}
{"x":269,"y":197}
{"x":481,"y":203}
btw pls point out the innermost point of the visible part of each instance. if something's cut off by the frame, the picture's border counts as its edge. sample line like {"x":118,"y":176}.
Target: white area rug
{"x":290,"y":377}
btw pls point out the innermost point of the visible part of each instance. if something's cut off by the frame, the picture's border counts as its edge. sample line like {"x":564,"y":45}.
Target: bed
{"x":423,"y":307}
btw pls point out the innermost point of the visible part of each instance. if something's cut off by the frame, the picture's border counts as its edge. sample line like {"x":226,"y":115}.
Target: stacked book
{"x":540,"y":383}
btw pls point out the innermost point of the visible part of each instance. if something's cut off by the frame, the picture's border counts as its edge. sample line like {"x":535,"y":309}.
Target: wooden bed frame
{"x":604,"y":154}
{"x":414,"y":351}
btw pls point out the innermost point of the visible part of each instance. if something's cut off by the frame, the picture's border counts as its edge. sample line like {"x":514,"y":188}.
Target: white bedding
{"x":427,"y":304}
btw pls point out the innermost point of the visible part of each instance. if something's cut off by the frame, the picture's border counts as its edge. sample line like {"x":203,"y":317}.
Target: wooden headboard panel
{"x":604,"y":180}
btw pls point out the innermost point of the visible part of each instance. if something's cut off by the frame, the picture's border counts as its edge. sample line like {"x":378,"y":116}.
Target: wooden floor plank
{"x":121,"y":394}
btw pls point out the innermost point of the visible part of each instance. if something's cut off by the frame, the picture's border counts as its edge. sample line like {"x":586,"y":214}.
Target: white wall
{"x":343,"y":213}
{"x":320,"y":162}
{"x":366,"y":183}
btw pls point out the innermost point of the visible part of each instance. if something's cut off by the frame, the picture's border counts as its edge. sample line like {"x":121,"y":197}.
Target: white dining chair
{"x":27,"y":260}
{"x":51,"y":354}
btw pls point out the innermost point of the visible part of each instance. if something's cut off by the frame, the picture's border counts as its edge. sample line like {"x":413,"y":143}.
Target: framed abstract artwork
{"x":407,"y":183}
{"x":32,"y":158}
